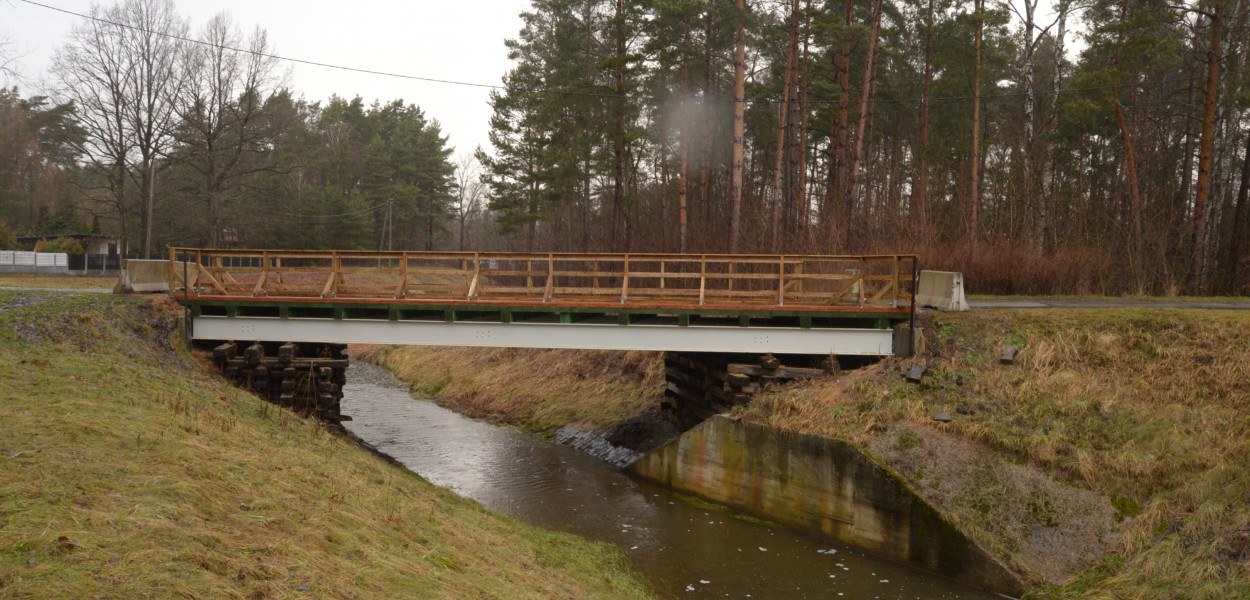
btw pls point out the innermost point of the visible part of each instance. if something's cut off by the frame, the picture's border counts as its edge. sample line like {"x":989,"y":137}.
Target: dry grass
{"x":127,"y":472}
{"x":1149,"y":408}
{"x":27,"y":280}
{"x":538,"y":390}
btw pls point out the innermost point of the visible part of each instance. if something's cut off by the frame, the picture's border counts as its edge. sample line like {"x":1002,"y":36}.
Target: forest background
{"x":1039,"y":146}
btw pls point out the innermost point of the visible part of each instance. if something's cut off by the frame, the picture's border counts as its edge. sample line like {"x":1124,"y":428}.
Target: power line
{"x":599,"y":95}
{"x":325,"y":217}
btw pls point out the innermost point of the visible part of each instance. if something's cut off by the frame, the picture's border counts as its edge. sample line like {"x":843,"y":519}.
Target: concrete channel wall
{"x":820,"y":485}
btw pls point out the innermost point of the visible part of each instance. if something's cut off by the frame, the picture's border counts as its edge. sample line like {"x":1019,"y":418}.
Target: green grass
{"x":1150,"y":408}
{"x":126,"y":471}
{"x":537,"y":390}
{"x":95,"y":282}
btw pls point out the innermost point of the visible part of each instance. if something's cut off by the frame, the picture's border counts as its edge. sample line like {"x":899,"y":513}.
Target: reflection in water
{"x":684,"y":549}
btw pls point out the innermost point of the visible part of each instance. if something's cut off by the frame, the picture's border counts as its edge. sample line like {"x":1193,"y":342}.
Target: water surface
{"x":686,"y":549}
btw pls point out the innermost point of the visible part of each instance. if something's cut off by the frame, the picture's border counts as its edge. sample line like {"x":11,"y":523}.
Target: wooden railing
{"x":688,"y":280}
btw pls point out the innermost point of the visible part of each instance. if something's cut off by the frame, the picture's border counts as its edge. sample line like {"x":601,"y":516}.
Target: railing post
{"x":702,"y":277}
{"x":625,"y":282}
{"x":781,"y":281}
{"x":863,"y":263}
{"x":551,"y":276}
{"x":401,"y":290}
{"x":915,"y":283}
{"x":894,"y":300}
{"x":477,"y":271}
{"x":170,"y":270}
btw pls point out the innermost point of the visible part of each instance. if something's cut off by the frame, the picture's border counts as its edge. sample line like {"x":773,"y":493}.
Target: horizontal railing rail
{"x":680,"y":280}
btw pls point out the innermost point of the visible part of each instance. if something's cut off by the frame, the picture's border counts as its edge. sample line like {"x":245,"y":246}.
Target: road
{"x":1014,"y":303}
{"x":1027,"y":303}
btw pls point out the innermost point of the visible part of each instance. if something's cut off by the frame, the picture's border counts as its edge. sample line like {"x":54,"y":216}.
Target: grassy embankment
{"x":536,"y":390}
{"x":1148,"y":409}
{"x":81,"y":282}
{"x":126,"y":471}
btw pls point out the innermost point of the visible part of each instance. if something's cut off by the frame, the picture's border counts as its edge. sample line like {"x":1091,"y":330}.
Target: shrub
{"x":66,"y":245}
{"x":7,"y":240}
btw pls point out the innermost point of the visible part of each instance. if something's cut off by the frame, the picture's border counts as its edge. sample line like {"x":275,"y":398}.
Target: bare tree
{"x":222,"y":135}
{"x":121,"y":68}
{"x":8,"y":59}
{"x":153,"y":31}
{"x":91,"y":71}
{"x":469,"y":192}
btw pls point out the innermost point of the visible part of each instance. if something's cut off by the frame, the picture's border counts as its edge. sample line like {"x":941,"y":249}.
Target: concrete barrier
{"x":143,"y":276}
{"x":943,"y":290}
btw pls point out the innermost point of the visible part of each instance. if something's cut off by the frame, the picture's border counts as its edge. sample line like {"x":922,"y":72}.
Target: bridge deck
{"x":234,"y":292}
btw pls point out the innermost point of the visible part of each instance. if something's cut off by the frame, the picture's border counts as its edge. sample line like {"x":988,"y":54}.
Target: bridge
{"x":780,"y":304}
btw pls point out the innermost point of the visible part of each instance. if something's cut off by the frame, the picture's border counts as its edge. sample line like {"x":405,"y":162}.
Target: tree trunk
{"x":684,"y":170}
{"x":783,"y":123}
{"x":1238,"y":259}
{"x":663,"y":125}
{"x":838,"y":139}
{"x":618,"y":129}
{"x":1049,"y":221}
{"x":1205,"y":145}
{"x":706,"y":102}
{"x":920,"y":198}
{"x":1030,"y":136}
{"x":1130,"y":164}
{"x":974,"y":179}
{"x":735,"y":185}
{"x":1180,"y":210}
{"x":861,"y":128}
{"x":799,"y":203}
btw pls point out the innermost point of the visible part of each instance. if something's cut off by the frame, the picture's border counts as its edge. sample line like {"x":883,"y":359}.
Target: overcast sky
{"x":446,"y":39}
{"x":461,"y":40}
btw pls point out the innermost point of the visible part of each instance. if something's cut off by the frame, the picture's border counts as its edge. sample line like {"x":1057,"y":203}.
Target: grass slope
{"x":1149,"y":409}
{"x":128,"y":472}
{"x":537,"y":390}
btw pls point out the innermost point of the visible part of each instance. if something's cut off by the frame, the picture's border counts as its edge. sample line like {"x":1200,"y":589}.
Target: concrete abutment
{"x":820,"y":485}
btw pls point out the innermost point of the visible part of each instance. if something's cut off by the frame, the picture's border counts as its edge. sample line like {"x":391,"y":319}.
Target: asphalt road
{"x":1020,"y":303}
{"x":1026,"y":303}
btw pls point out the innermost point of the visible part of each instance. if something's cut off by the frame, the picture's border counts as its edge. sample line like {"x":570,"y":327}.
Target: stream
{"x":684,"y":548}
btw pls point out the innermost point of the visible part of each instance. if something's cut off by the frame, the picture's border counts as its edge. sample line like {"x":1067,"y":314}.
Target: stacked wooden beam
{"x":700,"y":385}
{"x":307,"y":378}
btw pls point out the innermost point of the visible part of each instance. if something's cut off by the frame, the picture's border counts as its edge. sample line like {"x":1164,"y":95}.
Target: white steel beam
{"x":694,"y":338}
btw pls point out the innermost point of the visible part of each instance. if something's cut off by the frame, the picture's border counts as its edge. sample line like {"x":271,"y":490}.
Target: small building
{"x":100,"y":252}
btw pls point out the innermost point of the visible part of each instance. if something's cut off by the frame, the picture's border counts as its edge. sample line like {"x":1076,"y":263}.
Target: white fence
{"x":33,"y":262}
